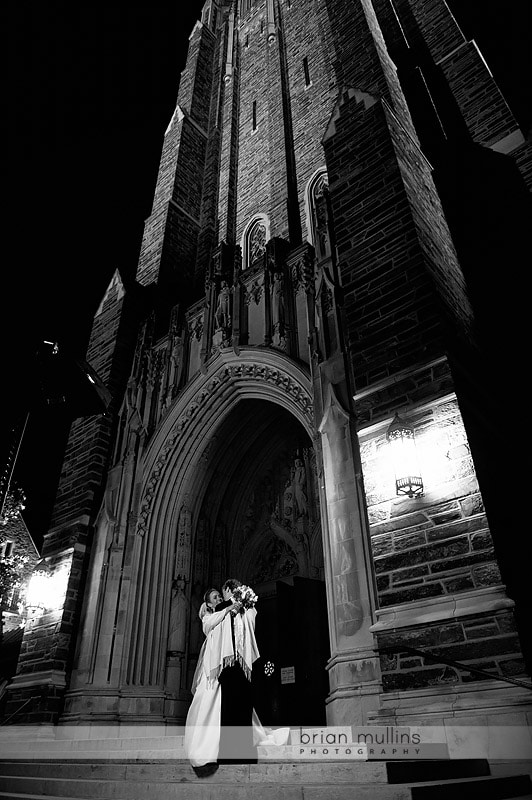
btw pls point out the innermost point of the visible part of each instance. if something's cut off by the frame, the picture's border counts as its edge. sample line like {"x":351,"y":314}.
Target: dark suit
{"x":236,"y":740}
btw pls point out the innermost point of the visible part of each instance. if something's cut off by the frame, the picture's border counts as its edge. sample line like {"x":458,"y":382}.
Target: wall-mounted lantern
{"x":408,"y":480}
{"x":40,"y":590}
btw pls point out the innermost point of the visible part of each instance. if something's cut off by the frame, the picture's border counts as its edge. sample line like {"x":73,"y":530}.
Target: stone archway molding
{"x":171,"y":468}
{"x":265,"y":375}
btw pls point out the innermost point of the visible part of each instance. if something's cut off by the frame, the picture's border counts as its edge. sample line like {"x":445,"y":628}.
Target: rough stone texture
{"x":489,"y":643}
{"x":523,"y":159}
{"x":440,"y":543}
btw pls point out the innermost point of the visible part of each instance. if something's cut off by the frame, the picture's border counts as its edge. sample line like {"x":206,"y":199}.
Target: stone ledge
{"x":49,"y":677}
{"x":421,"y":612}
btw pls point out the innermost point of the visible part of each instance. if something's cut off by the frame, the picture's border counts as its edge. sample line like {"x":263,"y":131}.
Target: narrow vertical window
{"x":254,"y":114}
{"x":7,"y":550}
{"x":262,"y":26}
{"x":214,"y":18}
{"x":247,"y":40}
{"x":256,"y":243}
{"x":306,"y":71}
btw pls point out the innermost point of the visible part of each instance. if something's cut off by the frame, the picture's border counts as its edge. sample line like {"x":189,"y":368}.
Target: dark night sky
{"x":91,"y":89}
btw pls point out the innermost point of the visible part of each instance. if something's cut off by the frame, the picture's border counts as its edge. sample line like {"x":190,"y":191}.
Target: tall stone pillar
{"x":353,"y":668}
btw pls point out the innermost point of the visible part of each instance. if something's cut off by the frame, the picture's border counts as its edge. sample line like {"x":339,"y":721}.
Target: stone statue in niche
{"x":288,"y":502}
{"x":131,"y":394}
{"x":178,"y":617}
{"x":278,"y":309}
{"x":183,"y":547}
{"x":177,"y":361}
{"x":321,"y":218}
{"x":179,"y":604}
{"x":222,"y":314}
{"x":299,"y":483}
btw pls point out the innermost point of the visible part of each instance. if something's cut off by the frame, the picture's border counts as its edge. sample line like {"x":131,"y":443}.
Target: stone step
{"x":45,"y":748}
{"x":341,"y":772}
{"x":474,"y":789}
{"x":11,"y":796}
{"x":165,"y":772}
{"x":342,"y":781}
{"x":416,"y":771}
{"x":199,"y":789}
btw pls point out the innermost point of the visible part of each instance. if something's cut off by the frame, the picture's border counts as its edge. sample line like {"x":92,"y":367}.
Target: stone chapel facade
{"x":298,"y":286}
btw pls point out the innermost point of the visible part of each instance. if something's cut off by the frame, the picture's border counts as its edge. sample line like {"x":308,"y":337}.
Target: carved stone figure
{"x":222,"y":315}
{"x":321,"y":218}
{"x":299,"y":486}
{"x":278,"y":310}
{"x":178,"y":617}
{"x":183,"y":546}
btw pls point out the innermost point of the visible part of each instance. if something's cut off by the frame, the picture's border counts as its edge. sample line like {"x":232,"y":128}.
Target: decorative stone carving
{"x":276,"y":560}
{"x":255,"y":292}
{"x":278,"y":309}
{"x":222,"y":314}
{"x":178,"y":618}
{"x":322,"y":239}
{"x":183,"y":546}
{"x":197,"y":329}
{"x":299,"y":483}
{"x":251,"y":370}
{"x":256,"y":242}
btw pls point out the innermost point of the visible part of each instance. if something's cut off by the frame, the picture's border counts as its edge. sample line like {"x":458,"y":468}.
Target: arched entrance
{"x":259,"y":520}
{"x":228,"y":485}
{"x":230,"y":489}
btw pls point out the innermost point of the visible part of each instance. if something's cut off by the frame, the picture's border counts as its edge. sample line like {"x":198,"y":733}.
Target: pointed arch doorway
{"x":259,"y":520}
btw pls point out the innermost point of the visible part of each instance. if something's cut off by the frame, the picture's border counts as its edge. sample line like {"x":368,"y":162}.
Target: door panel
{"x":292,"y":634}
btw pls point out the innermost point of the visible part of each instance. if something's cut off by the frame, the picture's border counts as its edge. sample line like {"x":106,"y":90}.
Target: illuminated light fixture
{"x":408,"y":480}
{"x":38,"y":591}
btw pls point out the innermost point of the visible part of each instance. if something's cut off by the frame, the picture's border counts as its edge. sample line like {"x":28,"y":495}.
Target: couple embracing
{"x":219,"y":725}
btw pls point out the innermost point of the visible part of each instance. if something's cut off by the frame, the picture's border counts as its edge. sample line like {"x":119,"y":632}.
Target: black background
{"x":89,"y":93}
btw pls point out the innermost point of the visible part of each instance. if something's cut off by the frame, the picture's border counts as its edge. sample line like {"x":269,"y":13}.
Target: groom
{"x":236,"y":740}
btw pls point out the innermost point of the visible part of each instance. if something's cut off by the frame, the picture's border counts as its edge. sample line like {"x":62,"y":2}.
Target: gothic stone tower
{"x":302,"y":288}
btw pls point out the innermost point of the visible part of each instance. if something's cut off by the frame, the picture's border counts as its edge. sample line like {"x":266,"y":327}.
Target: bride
{"x":229,"y":647}
{"x":202,"y":727}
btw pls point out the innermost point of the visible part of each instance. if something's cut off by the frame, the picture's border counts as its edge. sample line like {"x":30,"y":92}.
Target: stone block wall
{"x":170,"y":241}
{"x":489,"y":643}
{"x":88,"y":445}
{"x":392,"y":313}
{"x":430,"y":551}
{"x":46,"y":650}
{"x":437,"y":544}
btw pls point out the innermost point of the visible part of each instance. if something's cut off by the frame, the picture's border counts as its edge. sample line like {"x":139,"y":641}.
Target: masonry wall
{"x":88,"y":445}
{"x":489,"y":643}
{"x":435,"y":547}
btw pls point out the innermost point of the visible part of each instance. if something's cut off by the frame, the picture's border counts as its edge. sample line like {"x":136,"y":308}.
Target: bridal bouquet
{"x":245,"y":595}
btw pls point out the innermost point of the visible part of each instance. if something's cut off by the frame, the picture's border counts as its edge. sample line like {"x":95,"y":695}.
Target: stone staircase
{"x":153,"y":767}
{"x":122,"y":779}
